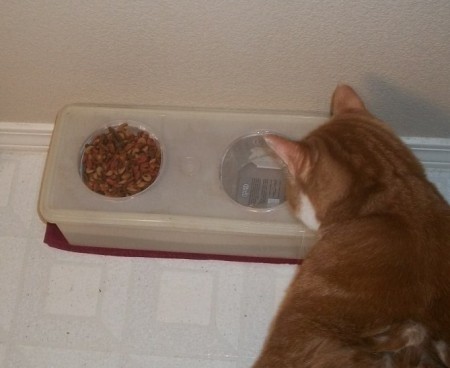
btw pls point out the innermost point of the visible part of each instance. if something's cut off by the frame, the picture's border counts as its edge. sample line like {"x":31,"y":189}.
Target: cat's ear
{"x":291,"y":153}
{"x":345,"y":99}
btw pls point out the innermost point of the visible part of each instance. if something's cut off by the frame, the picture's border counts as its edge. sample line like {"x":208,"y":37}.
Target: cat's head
{"x":339,"y":168}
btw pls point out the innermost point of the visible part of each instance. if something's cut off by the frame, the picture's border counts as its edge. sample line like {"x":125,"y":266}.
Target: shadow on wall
{"x":407,"y":113}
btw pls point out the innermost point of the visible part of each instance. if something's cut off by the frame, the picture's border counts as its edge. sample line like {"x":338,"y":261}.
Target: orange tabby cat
{"x":374,"y":291}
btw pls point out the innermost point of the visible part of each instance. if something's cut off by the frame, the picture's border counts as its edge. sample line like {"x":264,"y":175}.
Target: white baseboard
{"x":25,"y":136}
{"x":433,"y":152}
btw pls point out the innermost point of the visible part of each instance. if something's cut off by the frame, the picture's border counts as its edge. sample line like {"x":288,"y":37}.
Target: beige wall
{"x":277,"y":54}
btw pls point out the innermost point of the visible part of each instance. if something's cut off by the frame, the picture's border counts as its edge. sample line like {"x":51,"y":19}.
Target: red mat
{"x":55,"y":239}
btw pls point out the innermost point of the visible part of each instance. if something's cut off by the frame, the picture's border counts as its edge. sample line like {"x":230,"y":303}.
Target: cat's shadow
{"x":409,"y":114}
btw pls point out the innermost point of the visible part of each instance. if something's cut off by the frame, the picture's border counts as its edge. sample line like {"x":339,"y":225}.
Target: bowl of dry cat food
{"x":121,"y":160}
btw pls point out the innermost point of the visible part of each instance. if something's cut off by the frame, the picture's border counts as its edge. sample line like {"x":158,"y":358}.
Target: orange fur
{"x":378,"y":276}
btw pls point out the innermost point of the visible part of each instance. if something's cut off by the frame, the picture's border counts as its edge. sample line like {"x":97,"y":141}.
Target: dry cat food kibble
{"x":120,"y":162}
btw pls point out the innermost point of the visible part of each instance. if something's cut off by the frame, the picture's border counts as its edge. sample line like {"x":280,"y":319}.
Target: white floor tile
{"x":12,"y":252}
{"x":38,"y":357}
{"x":7,"y":170}
{"x":18,"y":213}
{"x":2,"y":355}
{"x":136,"y":361}
{"x":185,"y":297}
{"x":61,"y":300}
{"x":73,"y":290}
{"x":114,"y":295}
{"x":189,"y":326}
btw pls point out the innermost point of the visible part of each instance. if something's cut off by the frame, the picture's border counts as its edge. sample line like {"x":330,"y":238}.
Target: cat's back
{"x":391,"y":226}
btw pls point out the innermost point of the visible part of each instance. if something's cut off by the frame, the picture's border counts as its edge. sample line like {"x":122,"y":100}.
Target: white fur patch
{"x":414,"y":335}
{"x":306,"y":212}
{"x":441,"y":348}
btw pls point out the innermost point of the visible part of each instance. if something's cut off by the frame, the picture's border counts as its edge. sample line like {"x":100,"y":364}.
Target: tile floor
{"x":60,"y":309}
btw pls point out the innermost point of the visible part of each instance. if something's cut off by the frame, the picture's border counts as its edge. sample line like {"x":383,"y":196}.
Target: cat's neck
{"x":412,"y":201}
